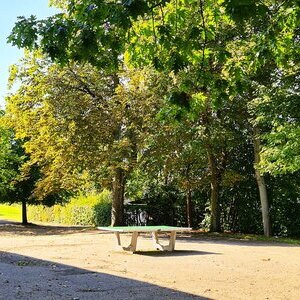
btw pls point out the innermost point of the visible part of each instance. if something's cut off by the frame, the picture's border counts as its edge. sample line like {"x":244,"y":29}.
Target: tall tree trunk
{"x":261,"y":185}
{"x":118,"y":198}
{"x":24,"y":213}
{"x":189,"y":210}
{"x":189,"y":215}
{"x":215,"y":225}
{"x":119,"y":179}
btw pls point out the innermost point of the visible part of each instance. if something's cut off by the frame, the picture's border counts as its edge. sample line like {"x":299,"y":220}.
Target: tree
{"x":278,"y":111}
{"x":187,"y":39}
{"x":173,"y":157}
{"x":17,"y":184}
{"x":78,"y":124}
{"x":263,"y":55}
{"x":11,"y":159}
{"x":219,"y":51}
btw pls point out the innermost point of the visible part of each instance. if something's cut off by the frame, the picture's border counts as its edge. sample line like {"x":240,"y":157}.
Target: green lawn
{"x":10,"y":212}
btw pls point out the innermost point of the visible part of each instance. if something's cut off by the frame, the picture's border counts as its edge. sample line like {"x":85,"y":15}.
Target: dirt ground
{"x":44,"y":262}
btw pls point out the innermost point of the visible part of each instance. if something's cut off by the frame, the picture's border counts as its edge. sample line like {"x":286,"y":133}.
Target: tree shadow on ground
{"x":23,"y":277}
{"x":7,"y":227}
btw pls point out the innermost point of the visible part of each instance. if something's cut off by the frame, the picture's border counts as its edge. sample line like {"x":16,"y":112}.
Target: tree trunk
{"x":189,"y":215}
{"x":215,"y":225}
{"x":261,"y":185}
{"x":24,"y":213}
{"x":118,"y":198}
{"x":189,"y":210}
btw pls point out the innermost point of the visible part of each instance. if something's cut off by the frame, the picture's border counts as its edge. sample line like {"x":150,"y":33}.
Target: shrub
{"x":102,"y":213}
{"x":93,"y":209}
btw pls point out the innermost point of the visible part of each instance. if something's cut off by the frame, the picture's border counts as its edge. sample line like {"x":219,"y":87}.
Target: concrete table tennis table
{"x":154,"y":230}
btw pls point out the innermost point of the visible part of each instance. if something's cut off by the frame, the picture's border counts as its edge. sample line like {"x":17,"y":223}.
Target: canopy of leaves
{"x":17,"y":183}
{"x":79,"y":122}
{"x":224,"y":69}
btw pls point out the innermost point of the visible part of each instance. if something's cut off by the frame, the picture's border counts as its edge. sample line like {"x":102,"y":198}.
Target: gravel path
{"x":41,"y":262}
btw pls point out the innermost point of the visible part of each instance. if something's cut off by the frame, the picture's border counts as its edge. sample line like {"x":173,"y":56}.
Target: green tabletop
{"x":143,"y":228}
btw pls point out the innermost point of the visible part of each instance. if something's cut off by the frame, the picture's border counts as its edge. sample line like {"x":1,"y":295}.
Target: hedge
{"x":94,"y":210}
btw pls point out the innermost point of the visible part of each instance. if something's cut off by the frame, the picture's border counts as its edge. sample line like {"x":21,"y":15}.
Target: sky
{"x":9,"y":11}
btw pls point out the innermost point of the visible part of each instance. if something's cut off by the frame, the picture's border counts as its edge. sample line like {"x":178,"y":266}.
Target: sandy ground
{"x":72,"y":263}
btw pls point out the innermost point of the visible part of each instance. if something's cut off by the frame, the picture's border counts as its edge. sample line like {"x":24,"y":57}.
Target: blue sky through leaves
{"x":9,"y":11}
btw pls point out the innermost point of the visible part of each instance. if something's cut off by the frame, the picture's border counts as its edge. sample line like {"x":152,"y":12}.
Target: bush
{"x":102,"y":213}
{"x":94,"y":210}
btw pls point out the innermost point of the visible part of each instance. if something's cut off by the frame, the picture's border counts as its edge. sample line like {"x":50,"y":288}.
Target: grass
{"x":10,"y":212}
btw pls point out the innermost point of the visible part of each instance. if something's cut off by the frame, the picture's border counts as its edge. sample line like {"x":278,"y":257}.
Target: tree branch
{"x":201,"y":6}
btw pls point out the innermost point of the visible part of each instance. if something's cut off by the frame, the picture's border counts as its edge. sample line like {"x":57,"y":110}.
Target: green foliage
{"x":163,"y":205}
{"x":16,"y":183}
{"x":246,"y":10}
{"x":94,"y":210}
{"x":163,"y":198}
{"x":81,"y":119}
{"x":102,"y":213}
{"x":276,"y":108}
{"x":11,"y":159}
{"x":226,"y":68}
{"x":285,"y":204}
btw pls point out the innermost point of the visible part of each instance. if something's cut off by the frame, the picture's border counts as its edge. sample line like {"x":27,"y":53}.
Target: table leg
{"x":172,"y":241}
{"x":119,"y":246}
{"x":159,"y":246}
{"x":156,"y":243}
{"x":132,"y":245}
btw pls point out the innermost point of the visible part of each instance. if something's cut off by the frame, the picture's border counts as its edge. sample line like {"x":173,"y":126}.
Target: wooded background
{"x":190,"y":108}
